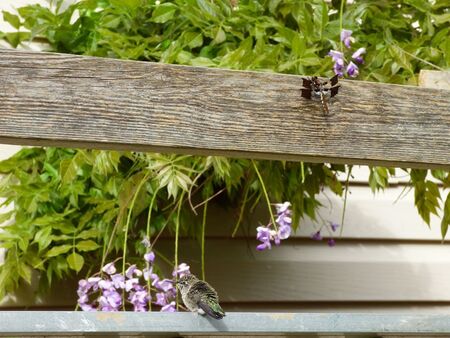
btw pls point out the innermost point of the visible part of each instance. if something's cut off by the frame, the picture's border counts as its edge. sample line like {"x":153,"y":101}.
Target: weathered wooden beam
{"x":170,"y":324}
{"x":76,"y":101}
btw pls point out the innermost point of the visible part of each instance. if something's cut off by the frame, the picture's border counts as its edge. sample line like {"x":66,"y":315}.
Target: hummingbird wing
{"x":206,"y":298}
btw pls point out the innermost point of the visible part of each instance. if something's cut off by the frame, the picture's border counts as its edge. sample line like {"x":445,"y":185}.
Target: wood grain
{"x":69,"y":100}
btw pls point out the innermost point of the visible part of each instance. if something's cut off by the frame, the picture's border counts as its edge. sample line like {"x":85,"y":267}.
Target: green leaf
{"x":75,"y":261}
{"x":90,"y":233}
{"x":445,"y":222}
{"x":87,"y":245}
{"x":43,"y":238}
{"x":12,"y":19}
{"x":194,"y":40}
{"x":25,"y":272}
{"x":164,"y":12}
{"x":219,"y":36}
{"x":6,"y":216}
{"x":58,"y":250}
{"x":16,"y":38}
{"x":442,"y":18}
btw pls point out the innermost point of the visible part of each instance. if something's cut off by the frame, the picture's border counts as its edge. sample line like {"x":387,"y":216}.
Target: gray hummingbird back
{"x":199,"y":296}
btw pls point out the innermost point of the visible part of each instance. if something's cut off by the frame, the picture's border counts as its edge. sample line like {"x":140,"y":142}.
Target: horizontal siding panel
{"x":310,"y":272}
{"x":300,"y":274}
{"x":368,"y":217}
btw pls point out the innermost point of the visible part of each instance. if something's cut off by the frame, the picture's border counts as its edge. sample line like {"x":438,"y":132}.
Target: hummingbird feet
{"x":201,"y":312}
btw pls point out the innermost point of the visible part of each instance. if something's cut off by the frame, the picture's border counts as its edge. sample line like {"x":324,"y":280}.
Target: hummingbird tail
{"x":214,"y":311}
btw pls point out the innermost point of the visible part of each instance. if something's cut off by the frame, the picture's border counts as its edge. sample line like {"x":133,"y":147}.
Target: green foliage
{"x":71,"y":206}
{"x":288,"y":36}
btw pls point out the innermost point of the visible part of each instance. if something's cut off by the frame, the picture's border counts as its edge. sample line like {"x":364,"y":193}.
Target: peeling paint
{"x":117,"y":317}
{"x":278,"y":316}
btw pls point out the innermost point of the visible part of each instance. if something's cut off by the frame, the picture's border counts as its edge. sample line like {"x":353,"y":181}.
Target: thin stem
{"x":350,"y":167}
{"x":209,"y":199}
{"x":302,"y":166}
{"x":164,"y":258}
{"x":205,"y":210}
{"x":341,"y":22}
{"x":177,"y":231}
{"x":418,"y":58}
{"x":127,"y":226}
{"x":106,"y":247}
{"x":241,"y":212}
{"x":263,"y":186}
{"x":404,"y":192}
{"x":148,"y":234}
{"x":192,"y":186}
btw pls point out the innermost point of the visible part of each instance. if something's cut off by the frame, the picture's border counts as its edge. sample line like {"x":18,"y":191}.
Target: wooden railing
{"x":69,"y":100}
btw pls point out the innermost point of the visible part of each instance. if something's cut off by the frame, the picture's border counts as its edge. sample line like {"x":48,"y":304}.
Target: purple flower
{"x":110,"y":300}
{"x":338,"y":68}
{"x":133,"y":270}
{"x":83,"y":287}
{"x":118,"y":281}
{"x":264,"y":246}
{"x":316,"y":236}
{"x":338,"y":59}
{"x":149,"y":257}
{"x":109,"y":269}
{"x":263,"y":235}
{"x":165,"y":285}
{"x":284,"y":231}
{"x":346,"y":37}
{"x":147,"y":273}
{"x":83,"y":299}
{"x":94,"y":282}
{"x":282,"y":207}
{"x":105,"y":284}
{"x":169,"y":307}
{"x":87,"y":307}
{"x":183,"y":269}
{"x":334,"y":226}
{"x":284,"y":218}
{"x":357,"y":55}
{"x":139,"y":300}
{"x":336,"y":55}
{"x":331,"y":242}
{"x":352,"y":69}
{"x":132,"y":283}
{"x":161,"y":299}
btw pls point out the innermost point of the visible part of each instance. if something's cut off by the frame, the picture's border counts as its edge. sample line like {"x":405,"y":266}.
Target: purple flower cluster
{"x":265,"y":234}
{"x":351,"y":69}
{"x":105,"y":293}
{"x":332,"y":227}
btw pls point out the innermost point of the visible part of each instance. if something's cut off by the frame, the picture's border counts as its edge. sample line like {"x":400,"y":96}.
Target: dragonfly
{"x":317,"y":89}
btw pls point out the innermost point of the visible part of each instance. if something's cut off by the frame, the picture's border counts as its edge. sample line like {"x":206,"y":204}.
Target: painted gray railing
{"x":170,"y":324}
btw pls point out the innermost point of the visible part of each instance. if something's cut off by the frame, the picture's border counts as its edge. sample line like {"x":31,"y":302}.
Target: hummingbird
{"x":199,"y":296}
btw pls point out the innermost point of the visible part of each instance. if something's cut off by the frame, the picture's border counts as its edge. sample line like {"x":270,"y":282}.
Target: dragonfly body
{"x":319,"y":90}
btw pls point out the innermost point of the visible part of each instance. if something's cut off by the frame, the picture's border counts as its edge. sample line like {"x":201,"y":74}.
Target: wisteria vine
{"x":112,"y":291}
